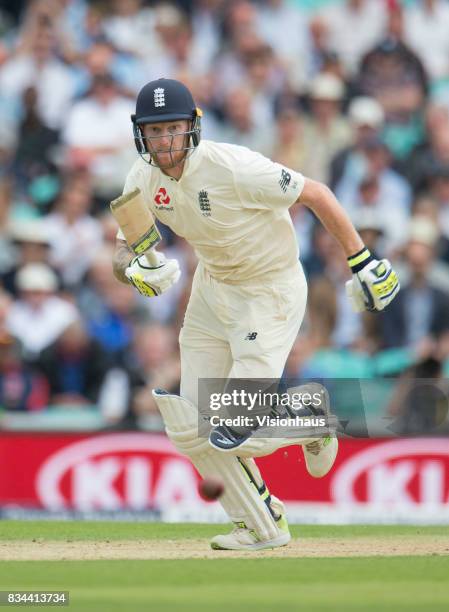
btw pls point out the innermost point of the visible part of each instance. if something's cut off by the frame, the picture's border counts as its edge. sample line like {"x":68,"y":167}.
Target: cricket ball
{"x":211,"y":488}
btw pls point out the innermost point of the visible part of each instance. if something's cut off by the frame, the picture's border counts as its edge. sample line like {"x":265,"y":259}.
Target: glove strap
{"x":358,"y":261}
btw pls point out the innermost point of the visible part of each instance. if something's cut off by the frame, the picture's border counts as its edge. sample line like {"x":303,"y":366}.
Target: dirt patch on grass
{"x":199,"y":549}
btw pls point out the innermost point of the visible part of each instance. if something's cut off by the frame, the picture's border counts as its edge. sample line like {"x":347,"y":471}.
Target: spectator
{"x":266,"y":79}
{"x":179,"y":57}
{"x":327,"y":131}
{"x":325,"y":360}
{"x":102,"y":57}
{"x":158,"y":364}
{"x":75,"y":367}
{"x":354,"y":27}
{"x":130,"y":27}
{"x":394,"y":75}
{"x":98,"y":137}
{"x":206,"y":23}
{"x":372,"y":229}
{"x":242,"y":125}
{"x":422,"y":310}
{"x":36,"y":65}
{"x":288,"y":144}
{"x":21,"y":388}
{"x":439,"y":191}
{"x":89,"y":27}
{"x":293,"y":47}
{"x":108,"y":307}
{"x":428,"y":207}
{"x":320,"y":48}
{"x":203,"y":88}
{"x":380,"y":188}
{"x":73,"y":21}
{"x":419,"y":404}
{"x":301,"y":351}
{"x":35,"y":143}
{"x":327,"y":260}
{"x":32,"y":245}
{"x":426,"y":27}
{"x":40,"y":315}
{"x":366,"y":118}
{"x":7,"y":251}
{"x":241,"y":37}
{"x":428,"y":157}
{"x":62,"y":16}
{"x":74,"y":235}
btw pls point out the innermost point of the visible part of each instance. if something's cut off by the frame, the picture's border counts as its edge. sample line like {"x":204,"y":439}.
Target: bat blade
{"x":136,"y":222}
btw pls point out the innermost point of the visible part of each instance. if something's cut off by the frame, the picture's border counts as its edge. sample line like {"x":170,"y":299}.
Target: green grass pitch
{"x":369,"y":583}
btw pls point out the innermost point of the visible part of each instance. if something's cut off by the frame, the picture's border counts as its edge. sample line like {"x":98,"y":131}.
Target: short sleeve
{"x":262,"y":183}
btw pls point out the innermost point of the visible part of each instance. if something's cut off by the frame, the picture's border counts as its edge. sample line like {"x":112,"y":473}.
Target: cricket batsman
{"x":248,"y":293}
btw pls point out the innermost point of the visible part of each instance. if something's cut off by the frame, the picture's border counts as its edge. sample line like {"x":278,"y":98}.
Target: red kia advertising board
{"x":138,"y":471}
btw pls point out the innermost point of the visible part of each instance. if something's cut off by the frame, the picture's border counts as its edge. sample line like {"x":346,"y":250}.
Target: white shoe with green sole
{"x":242,"y":538}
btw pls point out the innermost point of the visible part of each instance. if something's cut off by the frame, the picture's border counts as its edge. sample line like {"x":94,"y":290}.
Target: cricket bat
{"x":137,"y":224}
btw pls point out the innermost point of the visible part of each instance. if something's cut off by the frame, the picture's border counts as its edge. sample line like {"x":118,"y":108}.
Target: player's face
{"x":166,"y":141}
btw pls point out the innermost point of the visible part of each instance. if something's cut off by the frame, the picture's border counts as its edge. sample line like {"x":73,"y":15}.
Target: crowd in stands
{"x":354,"y":93}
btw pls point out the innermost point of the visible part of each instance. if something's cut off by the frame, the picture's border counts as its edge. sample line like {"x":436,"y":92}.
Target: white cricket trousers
{"x":239,"y":331}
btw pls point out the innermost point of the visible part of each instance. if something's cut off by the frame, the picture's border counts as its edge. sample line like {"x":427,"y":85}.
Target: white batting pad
{"x":241,"y":499}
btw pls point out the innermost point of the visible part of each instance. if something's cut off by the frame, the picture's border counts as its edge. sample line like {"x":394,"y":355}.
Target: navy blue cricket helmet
{"x":165,"y":100}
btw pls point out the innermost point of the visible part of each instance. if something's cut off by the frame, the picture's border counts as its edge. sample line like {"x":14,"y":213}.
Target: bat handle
{"x":152,"y":258}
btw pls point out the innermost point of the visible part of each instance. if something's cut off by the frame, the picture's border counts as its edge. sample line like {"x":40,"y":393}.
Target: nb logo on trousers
{"x":251,"y":336}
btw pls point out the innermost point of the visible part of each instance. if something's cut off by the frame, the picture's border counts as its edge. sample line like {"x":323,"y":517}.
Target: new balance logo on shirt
{"x":285,"y":179}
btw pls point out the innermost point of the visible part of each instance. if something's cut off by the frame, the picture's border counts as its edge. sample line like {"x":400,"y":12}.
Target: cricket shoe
{"x":242,"y":538}
{"x":320,"y":456}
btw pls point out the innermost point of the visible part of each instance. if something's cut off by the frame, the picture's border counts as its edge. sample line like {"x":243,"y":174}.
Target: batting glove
{"x":152,"y":274}
{"x":374,"y":283}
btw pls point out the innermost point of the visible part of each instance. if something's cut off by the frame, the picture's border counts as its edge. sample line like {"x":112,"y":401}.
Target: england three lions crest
{"x":159,"y":97}
{"x":204,"y":203}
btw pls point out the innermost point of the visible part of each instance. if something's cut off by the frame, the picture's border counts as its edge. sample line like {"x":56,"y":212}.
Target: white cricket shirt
{"x":231,"y":204}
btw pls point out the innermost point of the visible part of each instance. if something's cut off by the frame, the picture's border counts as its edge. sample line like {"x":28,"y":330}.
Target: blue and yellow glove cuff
{"x":359,"y":260}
